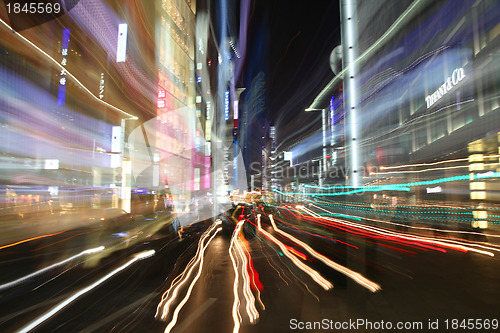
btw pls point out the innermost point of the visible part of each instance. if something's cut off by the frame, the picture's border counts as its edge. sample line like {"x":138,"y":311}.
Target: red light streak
{"x":316,"y":235}
{"x":254,"y":274}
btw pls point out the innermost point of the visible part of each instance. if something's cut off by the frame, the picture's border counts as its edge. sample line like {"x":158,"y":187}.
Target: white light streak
{"x":429,"y":169}
{"x":370,"y":285}
{"x":327,"y":285}
{"x":400,"y":22}
{"x":236,"y":302}
{"x":310,"y":212}
{"x":236,"y":243}
{"x":63,"y":304}
{"x":405,"y":225}
{"x":43,"y":270}
{"x":172,"y":323}
{"x":68,"y":73}
{"x":466,"y":159}
{"x":429,"y":240}
{"x":181,"y":279}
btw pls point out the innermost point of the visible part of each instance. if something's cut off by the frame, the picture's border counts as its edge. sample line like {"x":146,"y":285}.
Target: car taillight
{"x":102,"y":218}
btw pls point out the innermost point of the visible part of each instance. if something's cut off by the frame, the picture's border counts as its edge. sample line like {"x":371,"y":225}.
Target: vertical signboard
{"x":226,"y":105}
{"x":61,"y":95}
{"x":121,"y":49}
{"x":116,"y":139}
{"x":235,"y":113}
{"x":196,"y":184}
{"x":288,"y":156}
{"x":206,"y":176}
{"x":101,"y":86}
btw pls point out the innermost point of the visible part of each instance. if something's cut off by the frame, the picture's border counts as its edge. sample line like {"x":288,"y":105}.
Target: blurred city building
{"x":429,"y":93}
{"x":66,"y":99}
{"x":416,"y":103}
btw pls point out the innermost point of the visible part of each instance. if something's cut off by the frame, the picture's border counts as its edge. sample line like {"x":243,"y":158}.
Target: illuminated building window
{"x":478,"y":186}
{"x":480,"y":214}
{"x":476,"y":167}
{"x":478,"y":195}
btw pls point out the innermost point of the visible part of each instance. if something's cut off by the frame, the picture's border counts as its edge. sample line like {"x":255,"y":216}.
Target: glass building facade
{"x":428,"y":108}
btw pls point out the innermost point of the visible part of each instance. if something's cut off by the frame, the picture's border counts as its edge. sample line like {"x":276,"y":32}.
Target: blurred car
{"x":107,"y":217}
{"x":269,"y":210}
{"x":192,"y":229}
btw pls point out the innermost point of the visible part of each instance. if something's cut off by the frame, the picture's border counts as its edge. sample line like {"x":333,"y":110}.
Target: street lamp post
{"x":349,"y":35}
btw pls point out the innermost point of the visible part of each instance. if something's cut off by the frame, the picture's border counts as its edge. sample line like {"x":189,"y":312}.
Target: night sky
{"x":300,"y":38}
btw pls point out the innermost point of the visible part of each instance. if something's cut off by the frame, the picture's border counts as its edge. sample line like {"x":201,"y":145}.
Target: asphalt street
{"x":192,"y":279}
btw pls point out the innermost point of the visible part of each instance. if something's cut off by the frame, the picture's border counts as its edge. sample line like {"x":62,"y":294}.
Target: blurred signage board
{"x":115,"y":161}
{"x":51,"y":164}
{"x":226,"y":105}
{"x":116,"y":139}
{"x":457,"y":76}
{"x":101,"y":86}
{"x":61,"y":95}
{"x":272,"y":132}
{"x":196,"y":184}
{"x":121,"y":49}
{"x":436,"y":189}
{"x":288,"y":156}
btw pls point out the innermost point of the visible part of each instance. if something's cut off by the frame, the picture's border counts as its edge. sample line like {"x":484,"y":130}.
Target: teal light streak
{"x":392,"y":187}
{"x":363,"y":189}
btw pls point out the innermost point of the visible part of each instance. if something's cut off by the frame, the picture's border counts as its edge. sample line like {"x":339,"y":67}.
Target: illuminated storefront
{"x":180,"y":141}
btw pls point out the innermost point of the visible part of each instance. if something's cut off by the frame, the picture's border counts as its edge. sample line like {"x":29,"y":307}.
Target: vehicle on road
{"x":107,"y":217}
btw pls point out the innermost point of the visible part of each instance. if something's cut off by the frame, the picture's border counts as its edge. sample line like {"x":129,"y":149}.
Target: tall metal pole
{"x":350,"y":49}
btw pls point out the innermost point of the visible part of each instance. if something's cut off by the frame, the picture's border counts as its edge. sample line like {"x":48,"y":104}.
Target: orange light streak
{"x":30,"y":239}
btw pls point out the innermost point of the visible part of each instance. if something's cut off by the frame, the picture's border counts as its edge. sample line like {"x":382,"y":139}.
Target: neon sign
{"x":226,"y":105}
{"x":457,"y":76}
{"x":101,"y":86}
{"x":61,"y":95}
{"x":121,"y":48}
{"x":436,"y":189}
